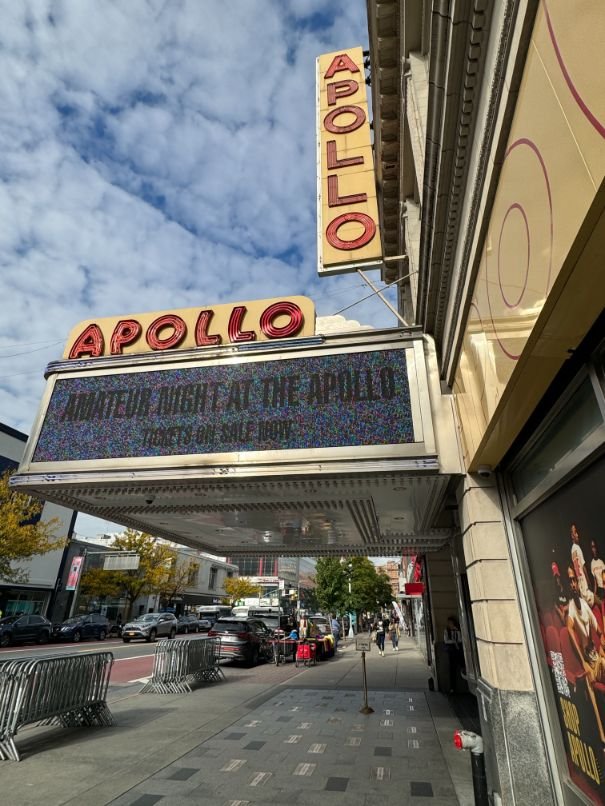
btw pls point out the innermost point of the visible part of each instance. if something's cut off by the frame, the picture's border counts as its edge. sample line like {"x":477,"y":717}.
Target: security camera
{"x":485,"y":471}
{"x":149,"y":500}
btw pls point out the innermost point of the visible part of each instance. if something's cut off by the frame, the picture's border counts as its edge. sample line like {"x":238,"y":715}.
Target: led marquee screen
{"x":327,"y":401}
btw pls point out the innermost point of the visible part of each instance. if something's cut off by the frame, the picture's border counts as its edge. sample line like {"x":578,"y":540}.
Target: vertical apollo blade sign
{"x":348,"y":230}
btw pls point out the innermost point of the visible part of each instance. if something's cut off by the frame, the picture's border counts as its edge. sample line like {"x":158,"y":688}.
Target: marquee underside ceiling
{"x":370,"y":514}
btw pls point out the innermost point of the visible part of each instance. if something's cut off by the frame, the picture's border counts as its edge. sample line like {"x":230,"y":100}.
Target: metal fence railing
{"x":70,"y":690}
{"x":177,"y":664}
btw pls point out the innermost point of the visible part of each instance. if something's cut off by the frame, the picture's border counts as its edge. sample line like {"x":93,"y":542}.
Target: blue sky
{"x":156,"y":155}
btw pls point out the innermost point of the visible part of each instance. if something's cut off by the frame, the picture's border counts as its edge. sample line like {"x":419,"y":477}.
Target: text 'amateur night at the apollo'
{"x":255,"y":396}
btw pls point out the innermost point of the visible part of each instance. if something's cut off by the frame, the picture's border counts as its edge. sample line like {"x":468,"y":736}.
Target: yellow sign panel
{"x":187,"y":328}
{"x":348,"y":229}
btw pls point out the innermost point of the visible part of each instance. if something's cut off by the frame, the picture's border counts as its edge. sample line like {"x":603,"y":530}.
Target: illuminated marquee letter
{"x":89,"y":342}
{"x":340,"y":63}
{"x":330,"y":125}
{"x":334,"y":200}
{"x":369,"y":230}
{"x":125,"y":332}
{"x":173,"y":340}
{"x":284,"y":308}
{"x":334,"y":162}
{"x":341,"y":89}
{"x":236,"y":334}
{"x":202,"y":337}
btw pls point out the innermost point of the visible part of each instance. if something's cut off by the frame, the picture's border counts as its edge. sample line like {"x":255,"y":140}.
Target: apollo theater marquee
{"x":242,"y":429}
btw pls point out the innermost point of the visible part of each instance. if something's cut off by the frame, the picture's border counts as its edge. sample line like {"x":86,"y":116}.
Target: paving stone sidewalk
{"x":305,"y":744}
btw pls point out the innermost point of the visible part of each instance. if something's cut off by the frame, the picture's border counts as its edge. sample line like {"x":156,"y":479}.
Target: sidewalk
{"x":296,"y":736}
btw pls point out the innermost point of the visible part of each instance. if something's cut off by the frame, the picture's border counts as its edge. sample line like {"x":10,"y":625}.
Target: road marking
{"x":140,"y":680}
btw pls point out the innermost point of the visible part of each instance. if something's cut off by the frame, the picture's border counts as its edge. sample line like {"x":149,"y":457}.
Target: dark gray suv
{"x":149,"y":627}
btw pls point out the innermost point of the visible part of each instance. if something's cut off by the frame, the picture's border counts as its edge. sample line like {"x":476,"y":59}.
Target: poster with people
{"x":565,"y":545}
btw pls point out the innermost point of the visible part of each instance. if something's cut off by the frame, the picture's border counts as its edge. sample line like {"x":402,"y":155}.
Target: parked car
{"x":275,"y":622}
{"x":20,"y":628}
{"x":80,"y":627}
{"x":204,"y":624}
{"x":149,"y":627}
{"x":248,"y":640}
{"x":187,"y":623}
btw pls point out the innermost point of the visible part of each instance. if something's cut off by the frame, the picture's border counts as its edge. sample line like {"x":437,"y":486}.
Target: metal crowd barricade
{"x":177,"y":664}
{"x":70,"y":690}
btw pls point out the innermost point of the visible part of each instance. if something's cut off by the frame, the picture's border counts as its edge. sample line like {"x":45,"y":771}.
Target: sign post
{"x":363,"y":643}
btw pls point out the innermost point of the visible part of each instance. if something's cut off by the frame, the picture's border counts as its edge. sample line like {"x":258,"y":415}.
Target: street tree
{"x":154,"y":560}
{"x":179,"y":574}
{"x":331,"y":585}
{"x":100,"y":584}
{"x":240,"y":588}
{"x":22,"y":534}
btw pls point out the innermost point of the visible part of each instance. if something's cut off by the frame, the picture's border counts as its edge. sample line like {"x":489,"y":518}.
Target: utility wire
{"x":373,"y":294}
{"x":28,"y":352}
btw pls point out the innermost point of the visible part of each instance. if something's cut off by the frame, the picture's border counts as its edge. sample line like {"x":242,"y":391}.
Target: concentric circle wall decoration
{"x":580,"y":94}
{"x":518,"y":272}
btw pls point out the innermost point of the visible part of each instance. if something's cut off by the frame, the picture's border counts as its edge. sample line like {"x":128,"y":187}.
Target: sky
{"x":157,"y":154}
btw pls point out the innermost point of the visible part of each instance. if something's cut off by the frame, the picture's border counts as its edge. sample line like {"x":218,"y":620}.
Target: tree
{"x":331,"y":585}
{"x":153,"y":565}
{"x":178,"y":576}
{"x":100,"y":583}
{"x":240,"y":588}
{"x":22,"y":533}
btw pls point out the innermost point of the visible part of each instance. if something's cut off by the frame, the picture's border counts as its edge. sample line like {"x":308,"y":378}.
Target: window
{"x":212,"y":580}
{"x":193,"y":575}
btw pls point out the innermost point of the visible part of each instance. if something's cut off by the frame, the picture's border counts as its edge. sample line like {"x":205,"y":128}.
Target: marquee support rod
{"x":378,"y":292}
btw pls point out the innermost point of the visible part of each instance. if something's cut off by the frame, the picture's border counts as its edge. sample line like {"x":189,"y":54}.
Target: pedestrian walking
{"x":380,"y":636}
{"x":394,"y":634}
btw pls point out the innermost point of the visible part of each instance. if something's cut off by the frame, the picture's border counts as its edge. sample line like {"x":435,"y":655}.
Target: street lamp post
{"x":351,"y":630}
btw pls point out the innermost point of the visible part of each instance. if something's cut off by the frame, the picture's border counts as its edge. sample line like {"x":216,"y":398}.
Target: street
{"x":133,"y":662}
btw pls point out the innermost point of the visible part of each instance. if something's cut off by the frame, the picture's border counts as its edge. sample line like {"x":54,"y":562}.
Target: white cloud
{"x":155,"y":155}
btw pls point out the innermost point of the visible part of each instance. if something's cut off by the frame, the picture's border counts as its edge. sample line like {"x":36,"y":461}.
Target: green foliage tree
{"x":240,"y":588}
{"x":22,"y":535}
{"x":99,"y":583}
{"x":384,"y":591}
{"x":154,"y":565}
{"x":331,"y":585}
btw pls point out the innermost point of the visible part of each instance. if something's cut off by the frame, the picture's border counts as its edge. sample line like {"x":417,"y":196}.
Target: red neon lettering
{"x":334,"y":162}
{"x":173,"y":340}
{"x":341,"y":89}
{"x":284,"y":308}
{"x":125,"y":332}
{"x":334,"y":200}
{"x":369,"y":230}
{"x":234,"y":330}
{"x":89,"y":342}
{"x":340,"y":63}
{"x":202,"y":338}
{"x":360,"y":117}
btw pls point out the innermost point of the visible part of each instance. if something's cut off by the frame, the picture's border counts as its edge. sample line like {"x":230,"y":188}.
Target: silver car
{"x":149,"y":627}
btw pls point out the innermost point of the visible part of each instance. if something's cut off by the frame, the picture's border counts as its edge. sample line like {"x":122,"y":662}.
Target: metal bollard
{"x":467,"y":740}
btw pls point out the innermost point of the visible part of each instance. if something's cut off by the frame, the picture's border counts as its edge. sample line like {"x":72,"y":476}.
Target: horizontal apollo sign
{"x":187,"y":328}
{"x":348,"y":229}
{"x":303,"y":403}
